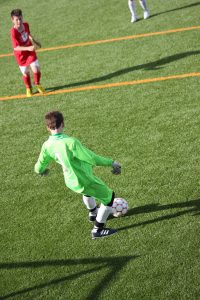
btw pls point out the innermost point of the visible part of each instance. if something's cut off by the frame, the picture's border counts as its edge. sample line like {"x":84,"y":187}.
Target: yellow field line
{"x":137,"y":36}
{"x":108,"y":85}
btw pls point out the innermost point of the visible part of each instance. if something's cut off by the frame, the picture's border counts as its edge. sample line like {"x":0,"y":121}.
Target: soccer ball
{"x":119,"y":207}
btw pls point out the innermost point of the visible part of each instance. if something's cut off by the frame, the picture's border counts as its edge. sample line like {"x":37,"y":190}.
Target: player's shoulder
{"x":13,"y":30}
{"x":71,"y":142}
{"x":26,"y":26}
{"x":45,"y":144}
{"x":70,"y":139}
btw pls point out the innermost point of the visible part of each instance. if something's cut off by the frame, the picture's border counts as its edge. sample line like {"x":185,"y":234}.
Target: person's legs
{"x":98,"y":190}
{"x":132,"y":8}
{"x":26,"y":79}
{"x":143,"y":4}
{"x":35,"y":67}
{"x":103,"y":213}
{"x":90,"y":203}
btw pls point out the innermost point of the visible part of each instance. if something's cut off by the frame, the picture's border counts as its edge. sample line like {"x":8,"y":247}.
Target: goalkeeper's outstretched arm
{"x":92,"y":158}
{"x":43,"y":161}
{"x":84,"y":154}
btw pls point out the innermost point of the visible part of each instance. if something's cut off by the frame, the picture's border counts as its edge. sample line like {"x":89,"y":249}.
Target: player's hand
{"x":39,"y":45}
{"x":31,"y":48}
{"x":45,"y":173}
{"x":116,"y":168}
{"x":36,"y":44}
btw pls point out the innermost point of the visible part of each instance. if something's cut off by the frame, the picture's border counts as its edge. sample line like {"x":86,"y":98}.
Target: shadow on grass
{"x":148,"y":66}
{"x":191,"y":206}
{"x":178,"y":8}
{"x":114,"y":264}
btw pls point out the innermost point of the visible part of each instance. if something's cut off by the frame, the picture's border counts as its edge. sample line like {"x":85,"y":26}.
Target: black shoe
{"x":102,"y":232}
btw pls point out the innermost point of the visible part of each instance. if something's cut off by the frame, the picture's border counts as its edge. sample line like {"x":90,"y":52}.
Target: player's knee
{"x":36,"y":71}
{"x":26,"y":74}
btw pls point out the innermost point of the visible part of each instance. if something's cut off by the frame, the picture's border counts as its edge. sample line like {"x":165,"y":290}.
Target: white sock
{"x":143,"y":5}
{"x":103,"y":213}
{"x":131,"y":5}
{"x":89,"y":202}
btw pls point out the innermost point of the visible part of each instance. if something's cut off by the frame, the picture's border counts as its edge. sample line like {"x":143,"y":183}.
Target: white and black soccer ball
{"x":119,"y":207}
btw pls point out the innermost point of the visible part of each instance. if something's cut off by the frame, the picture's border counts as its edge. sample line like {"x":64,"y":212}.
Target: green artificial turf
{"x":46,"y":251}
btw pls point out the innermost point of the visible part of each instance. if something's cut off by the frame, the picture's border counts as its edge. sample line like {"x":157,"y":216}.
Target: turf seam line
{"x":82,"y":44}
{"x":108,"y":85}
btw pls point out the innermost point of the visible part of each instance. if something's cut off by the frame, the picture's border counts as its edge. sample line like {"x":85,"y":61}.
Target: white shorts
{"x":26,"y":69}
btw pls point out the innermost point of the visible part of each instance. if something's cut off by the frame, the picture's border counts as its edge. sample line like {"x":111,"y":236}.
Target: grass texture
{"x":46,"y":251}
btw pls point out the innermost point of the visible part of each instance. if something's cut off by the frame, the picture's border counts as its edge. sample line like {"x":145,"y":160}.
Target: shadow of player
{"x":175,"y":9}
{"x":155,"y":65}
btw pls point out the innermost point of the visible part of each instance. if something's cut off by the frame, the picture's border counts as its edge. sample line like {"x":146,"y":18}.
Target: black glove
{"x":116,"y":168}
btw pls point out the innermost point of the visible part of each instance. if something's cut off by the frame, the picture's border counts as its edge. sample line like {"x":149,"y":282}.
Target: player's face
{"x":17,"y":21}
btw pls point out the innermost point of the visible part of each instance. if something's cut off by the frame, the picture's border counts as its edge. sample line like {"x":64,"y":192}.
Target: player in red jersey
{"x":24,"y":46}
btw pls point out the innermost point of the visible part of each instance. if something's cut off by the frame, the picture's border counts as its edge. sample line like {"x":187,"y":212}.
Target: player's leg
{"x":103,"y":213}
{"x":132,"y":8}
{"x":101,"y":192}
{"x":35,"y":67}
{"x":26,"y":79}
{"x":143,"y":4}
{"x":90,"y":203}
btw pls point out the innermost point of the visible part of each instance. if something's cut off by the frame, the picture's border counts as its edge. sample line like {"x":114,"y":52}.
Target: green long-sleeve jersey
{"x":76,"y":161}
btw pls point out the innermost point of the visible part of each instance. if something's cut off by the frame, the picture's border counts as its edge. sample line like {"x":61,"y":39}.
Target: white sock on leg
{"x":103,"y":213}
{"x":131,"y":5}
{"x":143,"y":5}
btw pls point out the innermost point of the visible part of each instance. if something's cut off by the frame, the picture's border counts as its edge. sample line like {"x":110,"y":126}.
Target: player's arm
{"x":92,"y":158}
{"x":43,"y":161}
{"x":35,"y":43}
{"x":25,"y":48}
{"x":89,"y":156}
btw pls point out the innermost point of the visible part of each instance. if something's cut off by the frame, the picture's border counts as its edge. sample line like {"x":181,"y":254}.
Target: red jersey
{"x":23,"y":58}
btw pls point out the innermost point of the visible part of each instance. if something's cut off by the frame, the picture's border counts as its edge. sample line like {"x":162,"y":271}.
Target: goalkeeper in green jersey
{"x":77,"y":162}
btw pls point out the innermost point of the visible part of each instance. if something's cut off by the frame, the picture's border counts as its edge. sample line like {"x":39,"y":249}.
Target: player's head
{"x":17,"y":18}
{"x":54,"y":121}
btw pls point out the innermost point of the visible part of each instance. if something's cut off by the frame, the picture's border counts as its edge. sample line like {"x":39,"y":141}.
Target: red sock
{"x":27,"y":81}
{"x":36,"y":77}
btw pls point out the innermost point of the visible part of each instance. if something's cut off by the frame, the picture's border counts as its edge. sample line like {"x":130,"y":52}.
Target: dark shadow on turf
{"x":174,"y":9}
{"x":191,"y":206}
{"x":158,"y":64}
{"x":114,"y":264}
